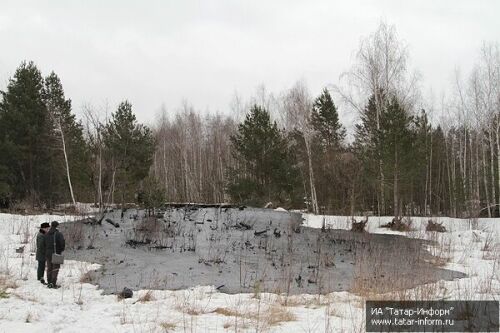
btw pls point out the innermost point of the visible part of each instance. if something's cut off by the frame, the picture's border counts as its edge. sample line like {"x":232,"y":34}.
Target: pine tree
{"x":421,"y":166}
{"x":325,"y":121}
{"x":396,"y":139}
{"x":327,"y":146}
{"x":152,"y":195}
{"x":391,"y":143}
{"x":24,"y":136}
{"x":266,"y":171}
{"x":5,"y":189}
{"x":5,"y":173}
{"x":68,"y":136}
{"x":130,"y":146}
{"x":367,"y":148}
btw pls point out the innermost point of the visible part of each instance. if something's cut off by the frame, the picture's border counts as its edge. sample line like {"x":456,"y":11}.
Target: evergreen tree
{"x":69,"y":144}
{"x":24,"y":136}
{"x":367,"y":148}
{"x":421,"y":166}
{"x":152,"y":195}
{"x":265,"y":169}
{"x":325,"y":121}
{"x":5,"y":173}
{"x":397,"y":151}
{"x":5,"y":189}
{"x":130,"y":146}
{"x":328,"y":140}
{"x":390,"y":142}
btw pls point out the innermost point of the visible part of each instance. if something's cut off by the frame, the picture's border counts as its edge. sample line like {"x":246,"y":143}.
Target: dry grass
{"x":441,"y":249}
{"x":31,"y":317}
{"x":6,"y":282}
{"x":74,"y":235}
{"x":228,"y":312}
{"x":276,"y":315}
{"x":307,"y":301}
{"x":191,"y":309}
{"x":489,"y":242}
{"x":194,"y":311}
{"x":168,"y":326}
{"x":491,"y":251}
{"x":380,"y":269}
{"x":272,"y":315}
{"x":87,"y":277}
{"x":193,"y":304}
{"x":24,"y":297}
{"x":26,"y":235}
{"x":146,"y":297}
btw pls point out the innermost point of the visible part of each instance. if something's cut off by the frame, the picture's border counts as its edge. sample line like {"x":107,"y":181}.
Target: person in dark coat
{"x":40,"y":251}
{"x":53,"y":241}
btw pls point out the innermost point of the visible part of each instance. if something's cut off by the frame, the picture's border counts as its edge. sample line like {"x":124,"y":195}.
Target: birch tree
{"x":94,"y":136}
{"x":297,"y":108}
{"x":380,"y":71}
{"x":68,"y":134}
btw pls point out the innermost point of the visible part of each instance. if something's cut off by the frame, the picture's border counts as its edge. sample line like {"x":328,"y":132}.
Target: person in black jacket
{"x":54,"y":242}
{"x":40,"y":251}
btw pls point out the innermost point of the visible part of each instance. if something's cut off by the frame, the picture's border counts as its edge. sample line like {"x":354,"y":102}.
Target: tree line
{"x":50,"y":157}
{"x":404,"y":156}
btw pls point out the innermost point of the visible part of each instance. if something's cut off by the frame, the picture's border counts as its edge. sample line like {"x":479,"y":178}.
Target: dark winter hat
{"x":44,"y":225}
{"x":54,"y":224}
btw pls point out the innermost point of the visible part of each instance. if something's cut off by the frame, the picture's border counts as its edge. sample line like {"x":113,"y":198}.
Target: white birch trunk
{"x":314,"y":199}
{"x":99,"y":189}
{"x":66,"y":163}
{"x":485,"y":180}
{"x":498,"y":155}
{"x":492,"y":168}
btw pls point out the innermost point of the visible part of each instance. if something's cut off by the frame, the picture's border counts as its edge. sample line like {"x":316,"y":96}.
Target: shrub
{"x":359,"y":226}
{"x":74,"y":235}
{"x":399,"y":224}
{"x":435,"y":226}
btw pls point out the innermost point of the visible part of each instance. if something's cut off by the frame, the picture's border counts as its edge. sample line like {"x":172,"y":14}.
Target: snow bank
{"x":418,"y":223}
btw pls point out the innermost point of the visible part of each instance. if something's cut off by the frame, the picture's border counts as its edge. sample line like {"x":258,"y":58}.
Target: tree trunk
{"x":381,"y":203}
{"x":165,"y":170}
{"x":66,"y":163}
{"x":492,"y":170}
{"x":498,"y":156}
{"x":453,"y":178}
{"x":314,"y":200}
{"x":396,"y":185}
{"x":353,"y":199}
{"x":99,"y":189}
{"x":430,"y":179}
{"x":485,"y":179}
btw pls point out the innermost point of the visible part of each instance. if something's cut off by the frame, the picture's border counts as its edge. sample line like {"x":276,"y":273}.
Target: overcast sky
{"x":164,"y":52}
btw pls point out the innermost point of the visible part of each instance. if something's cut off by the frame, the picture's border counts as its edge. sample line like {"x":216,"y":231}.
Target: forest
{"x":406,"y":154}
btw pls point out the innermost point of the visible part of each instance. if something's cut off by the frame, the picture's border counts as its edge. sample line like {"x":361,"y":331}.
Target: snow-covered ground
{"x":471,"y":247}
